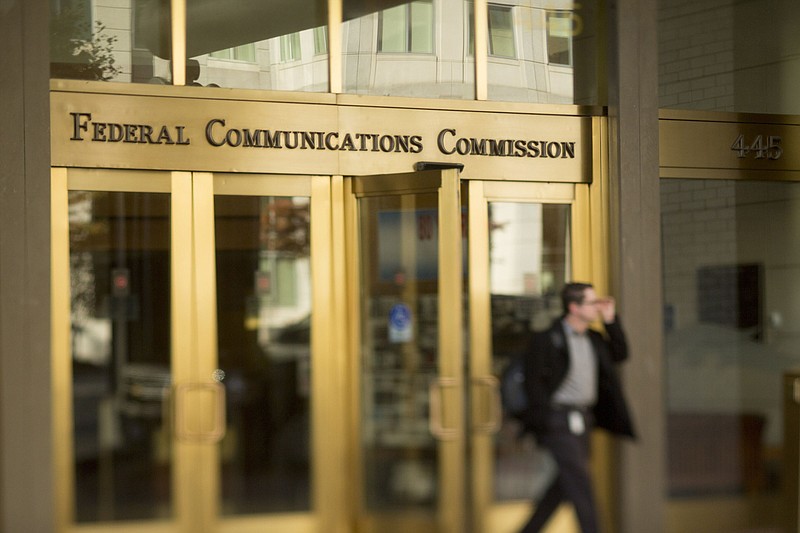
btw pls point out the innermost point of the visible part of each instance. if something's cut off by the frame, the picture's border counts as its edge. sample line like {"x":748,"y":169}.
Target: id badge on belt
{"x":577,"y":425}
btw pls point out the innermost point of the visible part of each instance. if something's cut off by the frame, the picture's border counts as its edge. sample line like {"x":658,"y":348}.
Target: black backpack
{"x":513,"y":394}
{"x":512,"y":388}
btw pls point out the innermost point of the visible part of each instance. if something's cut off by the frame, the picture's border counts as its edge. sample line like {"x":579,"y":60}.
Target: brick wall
{"x":729,"y":55}
{"x":696,"y":54}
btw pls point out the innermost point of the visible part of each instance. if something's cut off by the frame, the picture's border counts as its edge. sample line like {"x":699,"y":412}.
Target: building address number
{"x":762,"y":147}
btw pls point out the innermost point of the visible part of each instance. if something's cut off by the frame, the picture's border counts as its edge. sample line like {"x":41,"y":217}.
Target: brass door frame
{"x":328,"y":415}
{"x":194,"y":345}
{"x":62,"y":181}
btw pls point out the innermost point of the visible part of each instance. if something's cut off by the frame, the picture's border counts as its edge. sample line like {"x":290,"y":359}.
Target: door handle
{"x":435,"y":415}
{"x":495,"y":409}
{"x":193,"y":430}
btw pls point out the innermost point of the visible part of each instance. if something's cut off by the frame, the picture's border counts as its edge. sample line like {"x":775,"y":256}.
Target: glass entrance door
{"x":525,"y":241}
{"x":203,"y":381}
{"x":187,"y":324}
{"x":409,"y":371}
{"x":451,"y":276}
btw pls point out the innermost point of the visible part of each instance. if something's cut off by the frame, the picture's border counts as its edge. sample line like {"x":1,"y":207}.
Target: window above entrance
{"x":411,"y":48}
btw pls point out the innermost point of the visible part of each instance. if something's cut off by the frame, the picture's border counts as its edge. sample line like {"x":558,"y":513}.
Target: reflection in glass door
{"x":113,"y":342}
{"x":120,"y":307}
{"x":529,"y":262}
{"x":269,"y":318}
{"x":410,"y":368}
{"x":264,"y":332}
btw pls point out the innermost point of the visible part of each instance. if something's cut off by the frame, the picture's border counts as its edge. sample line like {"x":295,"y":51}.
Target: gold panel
{"x":409,"y":183}
{"x":273,"y":185}
{"x":92,"y":179}
{"x":176,"y":129}
{"x":729,"y":145}
{"x":508,"y":191}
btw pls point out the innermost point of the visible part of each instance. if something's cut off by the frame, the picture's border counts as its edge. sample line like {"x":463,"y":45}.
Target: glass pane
{"x":529,"y":264}
{"x":264,"y":316}
{"x":281,"y":39}
{"x":731,"y":286}
{"x":399,"y":343}
{"x":389,"y":49}
{"x":729,"y":56}
{"x":103,"y":41}
{"x":421,"y":28}
{"x":120,"y":311}
{"x":501,"y":32}
{"x":538,"y":71}
{"x":393,"y":30}
{"x":245,"y":52}
{"x":290,"y":47}
{"x":559,"y":38}
{"x":321,"y":40}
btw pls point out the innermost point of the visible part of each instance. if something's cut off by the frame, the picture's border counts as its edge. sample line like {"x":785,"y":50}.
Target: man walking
{"x":572,"y":386}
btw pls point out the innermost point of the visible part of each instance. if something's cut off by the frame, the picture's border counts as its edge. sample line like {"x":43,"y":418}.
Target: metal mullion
{"x":204,"y":357}
{"x":61,"y":354}
{"x":451,"y":377}
{"x":337,"y":424}
{"x":481,"y":32}
{"x":353,"y":295}
{"x":182,"y":342}
{"x":335,"y":46}
{"x":481,"y":442}
{"x":178,"y":27}
{"x":408,"y":28}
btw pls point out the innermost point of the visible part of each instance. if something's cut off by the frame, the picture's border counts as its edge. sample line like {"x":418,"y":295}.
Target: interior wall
{"x":699,"y":228}
{"x":26,"y":481}
{"x":715,"y":368}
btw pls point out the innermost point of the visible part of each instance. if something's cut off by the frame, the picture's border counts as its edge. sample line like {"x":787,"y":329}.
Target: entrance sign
{"x":165,"y":128}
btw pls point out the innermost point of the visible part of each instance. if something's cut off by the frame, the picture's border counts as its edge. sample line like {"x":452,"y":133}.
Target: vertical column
{"x":26,"y":457}
{"x":636,"y":252}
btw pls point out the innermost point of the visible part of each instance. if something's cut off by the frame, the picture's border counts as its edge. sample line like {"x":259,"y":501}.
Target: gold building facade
{"x":275,"y":259}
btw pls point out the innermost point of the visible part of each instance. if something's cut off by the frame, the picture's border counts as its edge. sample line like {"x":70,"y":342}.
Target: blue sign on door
{"x":401,"y":327}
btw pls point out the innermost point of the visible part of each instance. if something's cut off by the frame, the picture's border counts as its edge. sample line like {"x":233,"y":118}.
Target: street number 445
{"x":762,"y":147}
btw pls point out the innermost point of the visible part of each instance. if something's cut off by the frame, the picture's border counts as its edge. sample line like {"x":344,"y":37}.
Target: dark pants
{"x":573,"y":482}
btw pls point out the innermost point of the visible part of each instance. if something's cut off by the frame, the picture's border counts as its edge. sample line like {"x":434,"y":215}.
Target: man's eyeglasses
{"x":595,"y":302}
